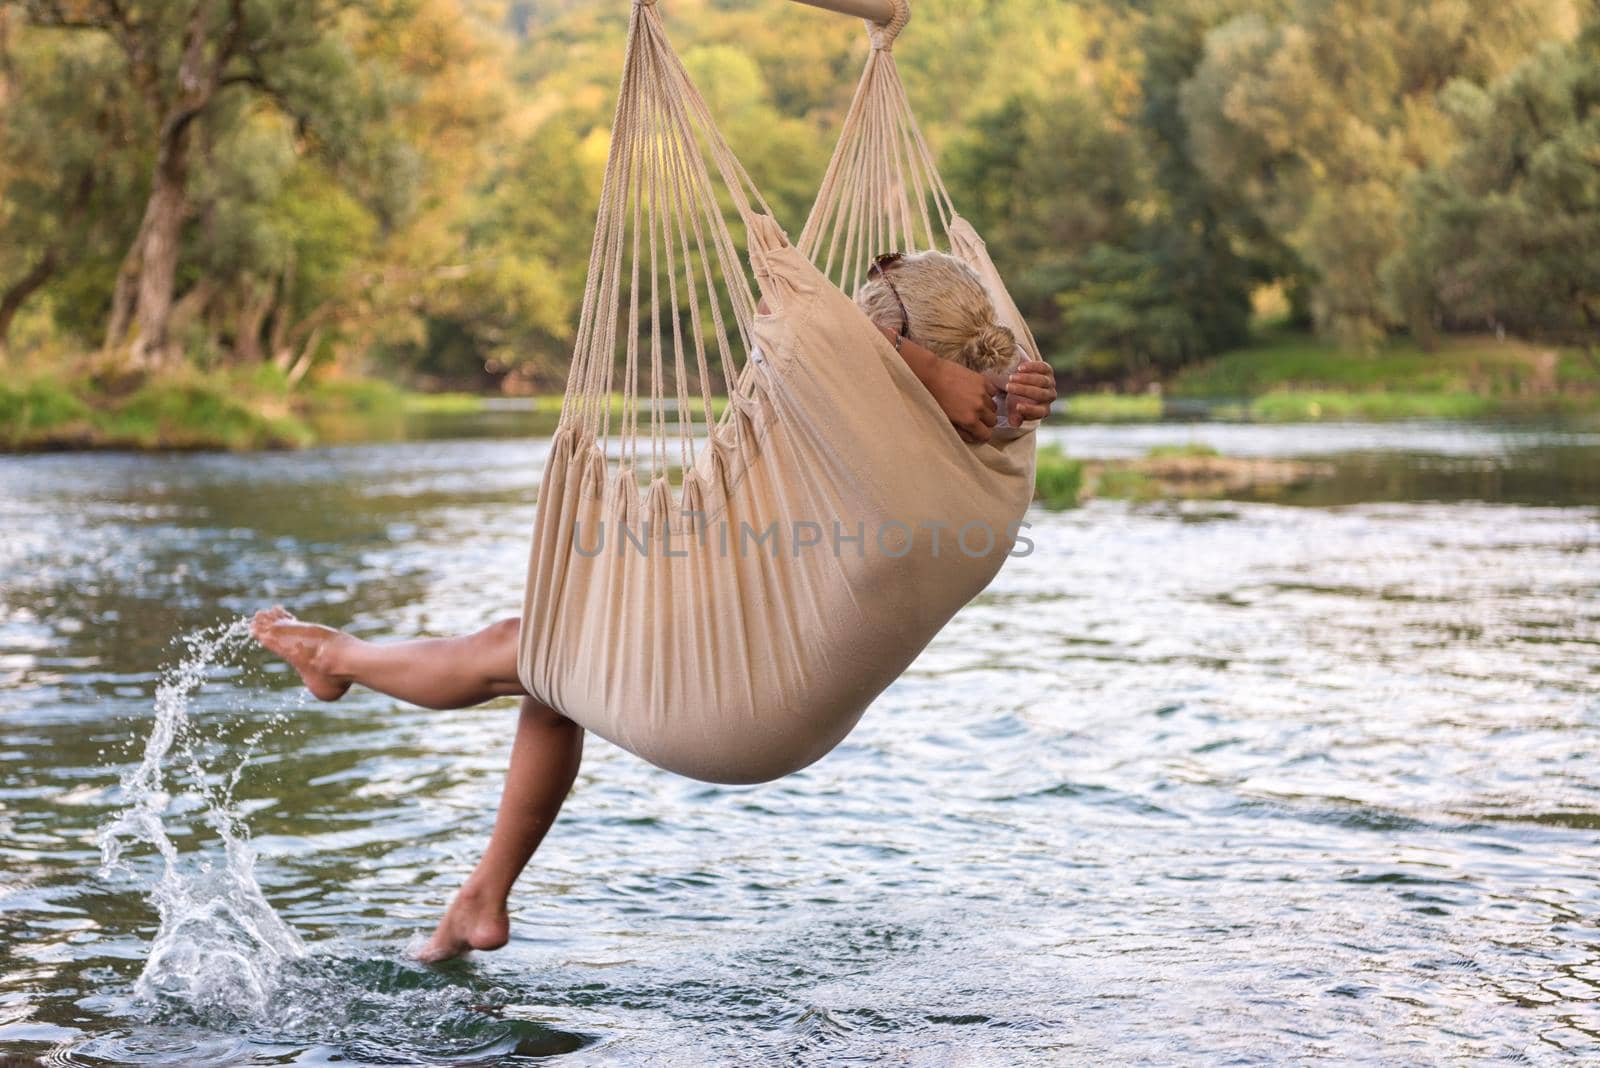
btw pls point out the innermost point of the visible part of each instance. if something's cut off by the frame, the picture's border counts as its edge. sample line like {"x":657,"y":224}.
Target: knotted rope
{"x":661,"y":247}
{"x":882,"y":34}
{"x":881,"y":180}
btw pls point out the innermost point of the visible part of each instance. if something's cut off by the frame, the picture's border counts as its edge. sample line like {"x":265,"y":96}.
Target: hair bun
{"x":990,"y":349}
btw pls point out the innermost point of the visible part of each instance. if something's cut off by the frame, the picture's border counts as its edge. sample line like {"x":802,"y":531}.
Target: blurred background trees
{"x":406,"y":187}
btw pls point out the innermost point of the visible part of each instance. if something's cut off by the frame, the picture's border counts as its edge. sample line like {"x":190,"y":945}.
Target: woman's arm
{"x":964,"y":396}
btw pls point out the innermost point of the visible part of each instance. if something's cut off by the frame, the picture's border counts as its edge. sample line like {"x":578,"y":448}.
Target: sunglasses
{"x":880,"y":269}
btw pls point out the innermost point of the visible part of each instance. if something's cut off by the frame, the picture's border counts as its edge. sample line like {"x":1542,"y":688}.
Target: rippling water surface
{"x":1259,"y":781}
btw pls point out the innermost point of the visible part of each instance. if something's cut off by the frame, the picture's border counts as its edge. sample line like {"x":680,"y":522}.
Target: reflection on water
{"x":1250,"y":780}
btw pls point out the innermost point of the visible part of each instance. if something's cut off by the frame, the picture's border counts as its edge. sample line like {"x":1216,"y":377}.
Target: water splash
{"x":224,"y":959}
{"x":220,"y":947}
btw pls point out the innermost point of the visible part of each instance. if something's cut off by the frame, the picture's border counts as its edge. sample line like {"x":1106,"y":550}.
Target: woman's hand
{"x":966,"y":399}
{"x":1030,"y":392}
{"x":964,"y":396}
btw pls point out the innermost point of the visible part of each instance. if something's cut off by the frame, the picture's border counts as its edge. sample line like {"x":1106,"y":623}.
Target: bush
{"x":1058,"y":479}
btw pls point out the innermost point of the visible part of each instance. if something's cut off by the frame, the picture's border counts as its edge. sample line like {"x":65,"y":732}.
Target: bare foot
{"x":474,"y":920}
{"x":307,"y":648}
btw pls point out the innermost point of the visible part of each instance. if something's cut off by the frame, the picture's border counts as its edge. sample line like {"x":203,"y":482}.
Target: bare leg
{"x":453,"y":673}
{"x":432,"y":672}
{"x":544,"y":762}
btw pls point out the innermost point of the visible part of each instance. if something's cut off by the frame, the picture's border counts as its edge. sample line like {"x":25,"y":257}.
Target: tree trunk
{"x":122,"y":294}
{"x":144,"y":289}
{"x":278,"y":338}
{"x":255,"y":303}
{"x":12,"y":299}
{"x":159,"y":269}
{"x":307,"y":354}
{"x":158,"y":259}
{"x":190,"y":307}
{"x":1588,"y":307}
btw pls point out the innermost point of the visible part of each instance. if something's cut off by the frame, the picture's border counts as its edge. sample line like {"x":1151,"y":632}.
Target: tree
{"x":63,"y":190}
{"x":525,"y":241}
{"x":1319,"y":117}
{"x":1202,"y":250}
{"x":409,"y":185}
{"x":1506,"y":232}
{"x":1126,"y":260}
{"x":1048,"y":181}
{"x":180,"y":60}
{"x":329,"y":236}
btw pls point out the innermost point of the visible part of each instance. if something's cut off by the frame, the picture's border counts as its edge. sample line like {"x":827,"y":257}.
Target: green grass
{"x":550,"y":404}
{"x":443,"y":403}
{"x":198,"y":414}
{"x":1192,"y":450}
{"x":1110,"y":407}
{"x":1295,"y":377}
{"x":1284,"y":378}
{"x":1294,"y":406}
{"x":356,"y":396}
{"x":239,"y":409}
{"x":1114,"y":480}
{"x":32,"y":409}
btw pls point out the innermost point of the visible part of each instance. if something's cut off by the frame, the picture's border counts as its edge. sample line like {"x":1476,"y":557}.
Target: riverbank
{"x":232,"y":410}
{"x":1166,"y":472}
{"x":1290,"y":377}
{"x":240,"y":411}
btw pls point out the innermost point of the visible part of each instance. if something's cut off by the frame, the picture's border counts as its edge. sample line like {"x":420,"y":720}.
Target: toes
{"x":435,"y":953}
{"x":264,"y":620}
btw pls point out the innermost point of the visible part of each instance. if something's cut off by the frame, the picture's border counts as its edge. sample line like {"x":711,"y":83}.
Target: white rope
{"x":881,"y":180}
{"x":661,"y":248}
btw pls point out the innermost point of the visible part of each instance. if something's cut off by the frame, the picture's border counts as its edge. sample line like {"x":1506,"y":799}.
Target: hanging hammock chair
{"x":830,"y":520}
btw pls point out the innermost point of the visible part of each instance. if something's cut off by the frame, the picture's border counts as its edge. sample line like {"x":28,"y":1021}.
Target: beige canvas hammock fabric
{"x":829,"y":522}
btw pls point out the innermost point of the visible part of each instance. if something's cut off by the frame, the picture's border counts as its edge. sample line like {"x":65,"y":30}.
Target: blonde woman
{"x":939,"y":317}
{"x":933,"y":305}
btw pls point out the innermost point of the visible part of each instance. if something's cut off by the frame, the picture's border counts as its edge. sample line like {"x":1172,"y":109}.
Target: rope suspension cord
{"x":659,"y":209}
{"x":881,"y":178}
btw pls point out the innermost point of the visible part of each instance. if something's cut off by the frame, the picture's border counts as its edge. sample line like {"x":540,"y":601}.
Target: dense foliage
{"x":406,"y":186}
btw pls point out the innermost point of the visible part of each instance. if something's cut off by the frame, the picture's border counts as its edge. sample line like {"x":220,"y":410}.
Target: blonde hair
{"x":947,"y":310}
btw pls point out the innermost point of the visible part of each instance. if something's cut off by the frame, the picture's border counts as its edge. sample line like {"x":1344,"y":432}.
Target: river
{"x":1255,"y":781}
